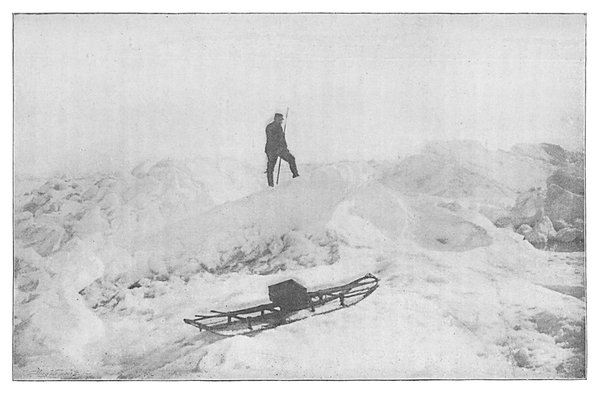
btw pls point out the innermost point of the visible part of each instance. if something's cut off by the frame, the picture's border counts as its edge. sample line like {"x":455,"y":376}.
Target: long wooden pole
{"x":284,"y":127}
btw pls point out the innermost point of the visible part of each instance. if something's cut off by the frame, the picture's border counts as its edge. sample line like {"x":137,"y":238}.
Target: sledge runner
{"x":276,"y":147}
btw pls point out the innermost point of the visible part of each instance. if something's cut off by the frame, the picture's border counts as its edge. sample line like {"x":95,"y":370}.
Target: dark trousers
{"x":272,"y":161}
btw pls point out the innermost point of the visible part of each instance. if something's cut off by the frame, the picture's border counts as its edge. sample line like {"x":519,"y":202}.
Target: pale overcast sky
{"x":105,"y":91}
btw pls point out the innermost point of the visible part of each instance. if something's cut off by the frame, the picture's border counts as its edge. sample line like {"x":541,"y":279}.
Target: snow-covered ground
{"x":107,"y":267}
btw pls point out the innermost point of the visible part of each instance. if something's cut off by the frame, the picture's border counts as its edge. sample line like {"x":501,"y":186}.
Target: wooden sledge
{"x":290,"y":302}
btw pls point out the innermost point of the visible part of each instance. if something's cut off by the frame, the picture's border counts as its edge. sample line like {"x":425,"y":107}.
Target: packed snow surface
{"x":107,"y":267}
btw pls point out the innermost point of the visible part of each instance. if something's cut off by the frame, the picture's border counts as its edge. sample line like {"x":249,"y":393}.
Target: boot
{"x":270,"y":179}
{"x":293,"y":168}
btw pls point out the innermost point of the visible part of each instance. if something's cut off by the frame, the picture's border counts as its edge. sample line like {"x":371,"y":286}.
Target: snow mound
{"x":304,"y":223}
{"x":257,"y":232}
{"x":436,"y":175}
{"x":465,"y":171}
{"x":71,"y":232}
{"x":499,"y":171}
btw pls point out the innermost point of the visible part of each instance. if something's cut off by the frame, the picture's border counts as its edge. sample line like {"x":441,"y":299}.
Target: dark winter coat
{"x":275,"y":139}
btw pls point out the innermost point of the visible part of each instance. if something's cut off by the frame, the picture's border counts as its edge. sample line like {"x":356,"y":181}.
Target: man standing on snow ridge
{"x":276,"y":147}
